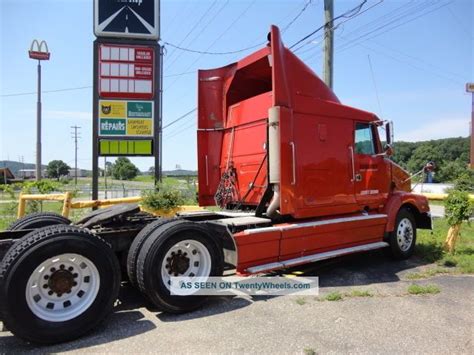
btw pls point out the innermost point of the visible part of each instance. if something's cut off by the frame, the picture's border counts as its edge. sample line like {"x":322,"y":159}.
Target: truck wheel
{"x":176,"y":249}
{"x":137,"y":245}
{"x":57,"y":283}
{"x":403,"y":238}
{"x":38,"y":220}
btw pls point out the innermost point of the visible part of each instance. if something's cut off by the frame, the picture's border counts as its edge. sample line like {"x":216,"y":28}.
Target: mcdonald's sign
{"x":37,"y":52}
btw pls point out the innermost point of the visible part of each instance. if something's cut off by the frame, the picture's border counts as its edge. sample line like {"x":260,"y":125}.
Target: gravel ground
{"x":391,"y":321}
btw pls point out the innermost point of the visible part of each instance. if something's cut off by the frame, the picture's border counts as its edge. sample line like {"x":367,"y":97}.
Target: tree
{"x":458,"y":209}
{"x":151,"y":171}
{"x":124,"y":169}
{"x":57,"y":168}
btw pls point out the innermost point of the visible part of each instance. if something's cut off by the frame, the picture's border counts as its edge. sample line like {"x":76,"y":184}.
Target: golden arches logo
{"x":37,"y":51}
{"x":39,"y":46}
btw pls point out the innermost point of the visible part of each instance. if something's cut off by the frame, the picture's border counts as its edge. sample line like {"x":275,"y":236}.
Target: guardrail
{"x":440,"y":197}
{"x":68,"y":204}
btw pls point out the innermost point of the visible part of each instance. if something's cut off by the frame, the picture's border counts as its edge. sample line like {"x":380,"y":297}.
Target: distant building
{"x":80,"y":173}
{"x":30,"y":173}
{"x":6,"y":176}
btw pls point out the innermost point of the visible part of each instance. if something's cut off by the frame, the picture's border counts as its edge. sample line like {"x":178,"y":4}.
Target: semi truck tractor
{"x":299,"y":176}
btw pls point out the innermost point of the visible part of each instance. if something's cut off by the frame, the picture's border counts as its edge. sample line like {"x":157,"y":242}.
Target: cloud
{"x":76,"y":115}
{"x":443,"y":128}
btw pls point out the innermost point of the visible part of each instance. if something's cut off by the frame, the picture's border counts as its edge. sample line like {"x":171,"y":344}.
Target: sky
{"x":405,"y":60}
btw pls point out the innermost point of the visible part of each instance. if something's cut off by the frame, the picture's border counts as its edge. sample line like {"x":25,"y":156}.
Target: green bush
{"x":465,"y":182}
{"x":163,"y":199}
{"x":457,"y":207}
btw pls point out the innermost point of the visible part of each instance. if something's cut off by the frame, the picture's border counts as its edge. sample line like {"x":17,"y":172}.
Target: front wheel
{"x":403,"y":237}
{"x":57,"y":283}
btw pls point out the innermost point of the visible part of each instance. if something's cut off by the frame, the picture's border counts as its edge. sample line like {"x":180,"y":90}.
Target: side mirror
{"x":389,"y":133}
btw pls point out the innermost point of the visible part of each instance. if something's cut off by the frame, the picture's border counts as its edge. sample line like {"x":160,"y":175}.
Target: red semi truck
{"x":300,"y":178}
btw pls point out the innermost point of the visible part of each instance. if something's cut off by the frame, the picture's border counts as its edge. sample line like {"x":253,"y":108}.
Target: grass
{"x":360,"y":293}
{"x":301,"y":301}
{"x":333,"y":296}
{"x":428,"y":273}
{"x":309,"y":351}
{"x":415,"y":289}
{"x":429,"y":246}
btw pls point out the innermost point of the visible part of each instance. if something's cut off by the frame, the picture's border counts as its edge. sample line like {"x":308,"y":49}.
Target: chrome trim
{"x":314,"y":224}
{"x":352,"y":163}
{"x":316,"y":257}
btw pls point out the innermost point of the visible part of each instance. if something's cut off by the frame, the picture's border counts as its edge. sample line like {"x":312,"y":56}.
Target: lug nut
{"x":70,"y":268}
{"x":50,"y":293}
{"x":194,"y":251}
{"x":53,"y":269}
{"x":61,"y":266}
{"x":74,"y":275}
{"x":46,"y":277}
{"x":45,"y":286}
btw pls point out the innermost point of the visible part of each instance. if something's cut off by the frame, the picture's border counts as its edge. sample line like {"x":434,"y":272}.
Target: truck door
{"x":371,"y":171}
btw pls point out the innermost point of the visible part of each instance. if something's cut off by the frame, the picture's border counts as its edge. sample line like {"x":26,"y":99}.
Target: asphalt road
{"x":392,"y":321}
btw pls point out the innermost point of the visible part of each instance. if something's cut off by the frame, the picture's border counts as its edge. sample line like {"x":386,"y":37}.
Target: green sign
{"x":112,"y":126}
{"x":139,"y":109}
{"x":127,"y":147}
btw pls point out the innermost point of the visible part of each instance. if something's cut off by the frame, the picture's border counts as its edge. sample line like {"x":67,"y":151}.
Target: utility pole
{"x":75,"y":136}
{"x":36,"y":52}
{"x":470,"y":89}
{"x":328,"y":42}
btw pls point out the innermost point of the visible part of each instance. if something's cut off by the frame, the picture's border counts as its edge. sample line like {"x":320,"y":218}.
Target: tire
{"x":137,"y":244}
{"x":38,"y":220}
{"x":403,"y":237}
{"x":151,"y":263}
{"x":57,"y":283}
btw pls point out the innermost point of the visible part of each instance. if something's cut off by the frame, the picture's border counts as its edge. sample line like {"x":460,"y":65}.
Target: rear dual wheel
{"x":179,"y":248}
{"x":57,"y":283}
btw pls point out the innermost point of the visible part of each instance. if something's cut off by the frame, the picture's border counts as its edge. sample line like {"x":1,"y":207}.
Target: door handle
{"x":352,"y":163}
{"x":358,"y":177}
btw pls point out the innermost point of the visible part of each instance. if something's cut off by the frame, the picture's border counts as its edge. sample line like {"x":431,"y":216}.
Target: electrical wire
{"x":179,"y":118}
{"x":347,"y":14}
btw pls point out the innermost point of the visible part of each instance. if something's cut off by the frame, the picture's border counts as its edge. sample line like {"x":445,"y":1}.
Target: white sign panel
{"x":127,"y":18}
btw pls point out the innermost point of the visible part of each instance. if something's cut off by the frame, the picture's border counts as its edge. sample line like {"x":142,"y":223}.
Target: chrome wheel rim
{"x":187,"y":258}
{"x":405,"y":234}
{"x":62,"y":287}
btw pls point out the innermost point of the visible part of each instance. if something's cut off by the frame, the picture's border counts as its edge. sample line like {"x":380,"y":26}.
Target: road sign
{"x":126,"y":118}
{"x":126,"y":71}
{"x":127,"y":18}
{"x":470,"y":87}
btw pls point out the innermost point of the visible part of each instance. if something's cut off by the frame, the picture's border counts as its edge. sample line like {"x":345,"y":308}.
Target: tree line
{"x":450,"y":155}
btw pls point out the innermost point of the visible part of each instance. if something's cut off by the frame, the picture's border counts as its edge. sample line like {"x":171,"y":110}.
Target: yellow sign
{"x":112,"y":109}
{"x":139,"y":127}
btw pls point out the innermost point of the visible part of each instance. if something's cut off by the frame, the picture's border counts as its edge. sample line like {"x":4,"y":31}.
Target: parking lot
{"x":375,"y":315}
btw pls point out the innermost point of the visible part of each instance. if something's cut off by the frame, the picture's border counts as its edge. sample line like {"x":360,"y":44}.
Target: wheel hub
{"x":178,"y":263}
{"x":61,"y":281}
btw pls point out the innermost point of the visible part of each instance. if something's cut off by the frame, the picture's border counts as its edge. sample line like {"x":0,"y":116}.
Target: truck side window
{"x":364,"y":140}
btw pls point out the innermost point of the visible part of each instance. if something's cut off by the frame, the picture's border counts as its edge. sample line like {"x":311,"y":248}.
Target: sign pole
{"x":95,"y":124}
{"x":159,"y":165}
{"x":38,"y":53}
{"x":38,"y":126}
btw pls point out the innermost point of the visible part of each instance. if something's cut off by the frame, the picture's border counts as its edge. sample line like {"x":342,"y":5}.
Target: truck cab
{"x":275,"y":141}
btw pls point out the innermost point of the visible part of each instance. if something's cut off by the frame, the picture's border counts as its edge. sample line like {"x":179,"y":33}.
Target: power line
{"x":82,"y":87}
{"x":346,"y":14}
{"x":202,"y":30}
{"x":180,"y":118}
{"x":196,"y":24}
